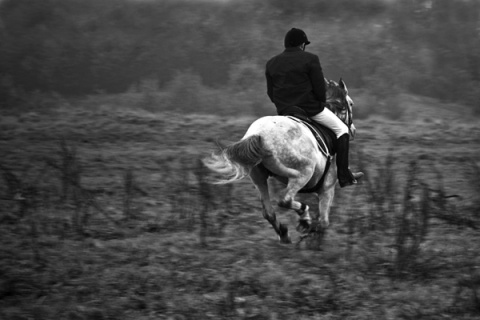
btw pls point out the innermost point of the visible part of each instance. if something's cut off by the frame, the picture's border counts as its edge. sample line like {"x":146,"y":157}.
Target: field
{"x":106,"y":213}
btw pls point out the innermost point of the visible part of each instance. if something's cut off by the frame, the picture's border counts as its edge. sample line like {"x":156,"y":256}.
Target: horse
{"x":282,"y":147}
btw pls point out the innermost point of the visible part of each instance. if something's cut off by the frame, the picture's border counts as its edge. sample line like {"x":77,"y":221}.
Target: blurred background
{"x":209,"y":55}
{"x":106,"y":211}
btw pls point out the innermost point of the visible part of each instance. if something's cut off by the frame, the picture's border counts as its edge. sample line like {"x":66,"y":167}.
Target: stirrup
{"x":352,"y":180}
{"x":344,"y":184}
{"x":357,"y":175}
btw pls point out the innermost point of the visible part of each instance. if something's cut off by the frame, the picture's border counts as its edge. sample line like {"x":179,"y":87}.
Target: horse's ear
{"x":343,"y":85}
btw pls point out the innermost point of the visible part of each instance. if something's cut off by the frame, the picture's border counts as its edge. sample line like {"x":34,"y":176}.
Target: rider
{"x":295,"y":79}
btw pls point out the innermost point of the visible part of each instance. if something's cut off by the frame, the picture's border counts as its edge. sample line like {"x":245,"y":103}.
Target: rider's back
{"x":295,"y":78}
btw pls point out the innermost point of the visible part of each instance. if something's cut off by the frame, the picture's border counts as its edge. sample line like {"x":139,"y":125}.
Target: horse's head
{"x":340,"y":103}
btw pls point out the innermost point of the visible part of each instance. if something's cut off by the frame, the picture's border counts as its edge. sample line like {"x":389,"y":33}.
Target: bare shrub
{"x":23,"y":189}
{"x":446,"y":210}
{"x":128,"y":192}
{"x":181,"y":193}
{"x":225,"y":209}
{"x":26,"y":193}
{"x":380,"y":191}
{"x":68,"y":167}
{"x":412,"y":223}
{"x":475,"y":182}
{"x":83,"y":199}
{"x":206,"y":197}
{"x":131,"y":189}
{"x":392,"y":230}
{"x":470,"y":283}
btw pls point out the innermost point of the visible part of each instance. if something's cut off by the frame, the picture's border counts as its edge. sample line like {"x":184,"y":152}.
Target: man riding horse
{"x":295,"y":80}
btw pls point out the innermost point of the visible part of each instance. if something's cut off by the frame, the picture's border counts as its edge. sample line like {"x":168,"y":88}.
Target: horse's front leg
{"x":259,"y":178}
{"x":325,"y":199}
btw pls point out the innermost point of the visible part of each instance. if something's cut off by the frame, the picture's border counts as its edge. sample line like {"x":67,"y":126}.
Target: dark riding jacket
{"x":295,"y":78}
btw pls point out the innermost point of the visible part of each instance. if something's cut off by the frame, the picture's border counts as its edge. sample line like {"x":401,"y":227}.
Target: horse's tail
{"x":235,"y":161}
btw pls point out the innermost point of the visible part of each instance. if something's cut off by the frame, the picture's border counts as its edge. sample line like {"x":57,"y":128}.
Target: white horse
{"x":286,"y":149}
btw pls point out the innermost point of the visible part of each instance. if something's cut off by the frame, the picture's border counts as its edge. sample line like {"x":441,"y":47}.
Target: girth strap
{"x":322,"y":179}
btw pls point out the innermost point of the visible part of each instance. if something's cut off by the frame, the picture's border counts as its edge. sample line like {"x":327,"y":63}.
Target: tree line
{"x":78,"y":47}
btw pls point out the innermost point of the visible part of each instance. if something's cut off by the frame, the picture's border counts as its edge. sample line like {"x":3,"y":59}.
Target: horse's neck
{"x":332,"y":106}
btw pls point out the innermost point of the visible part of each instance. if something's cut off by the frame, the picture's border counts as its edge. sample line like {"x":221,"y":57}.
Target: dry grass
{"x":107,"y":214}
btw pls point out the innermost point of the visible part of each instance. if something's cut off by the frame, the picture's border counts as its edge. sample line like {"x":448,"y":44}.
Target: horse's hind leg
{"x":259,"y":177}
{"x":288,"y":201}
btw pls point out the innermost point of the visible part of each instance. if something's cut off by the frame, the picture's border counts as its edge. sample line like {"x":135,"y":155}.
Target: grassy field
{"x":105,"y":213}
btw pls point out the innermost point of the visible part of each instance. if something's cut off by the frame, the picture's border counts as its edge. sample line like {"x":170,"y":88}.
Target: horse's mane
{"x":336,"y":96}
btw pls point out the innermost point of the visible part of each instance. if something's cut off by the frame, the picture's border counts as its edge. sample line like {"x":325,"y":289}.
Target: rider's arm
{"x":269,"y":85}
{"x":317,"y":79}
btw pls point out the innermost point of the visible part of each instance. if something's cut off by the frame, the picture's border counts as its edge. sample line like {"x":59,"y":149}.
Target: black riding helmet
{"x":295,"y":37}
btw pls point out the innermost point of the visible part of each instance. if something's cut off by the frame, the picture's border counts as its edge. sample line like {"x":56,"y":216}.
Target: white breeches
{"x":330,"y":120}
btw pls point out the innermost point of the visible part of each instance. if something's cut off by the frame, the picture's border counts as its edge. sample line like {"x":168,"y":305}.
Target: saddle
{"x":325,"y":137}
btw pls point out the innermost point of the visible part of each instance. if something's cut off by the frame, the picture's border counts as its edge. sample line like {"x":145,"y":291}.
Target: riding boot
{"x":345,"y":176}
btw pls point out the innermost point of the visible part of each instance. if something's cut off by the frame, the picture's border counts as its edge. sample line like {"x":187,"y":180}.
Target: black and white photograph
{"x":239,"y":159}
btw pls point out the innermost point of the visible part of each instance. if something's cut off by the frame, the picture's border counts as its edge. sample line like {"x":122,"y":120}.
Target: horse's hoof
{"x":324,"y":224}
{"x":303,"y":226}
{"x":286,"y":240}
{"x":284,"y":236}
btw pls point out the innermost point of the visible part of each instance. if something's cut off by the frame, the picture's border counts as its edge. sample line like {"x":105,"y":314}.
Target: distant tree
{"x":77,"y":47}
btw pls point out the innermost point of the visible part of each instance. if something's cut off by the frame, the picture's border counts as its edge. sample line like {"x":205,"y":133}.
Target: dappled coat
{"x":295,"y":78}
